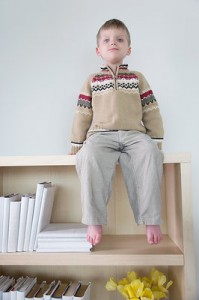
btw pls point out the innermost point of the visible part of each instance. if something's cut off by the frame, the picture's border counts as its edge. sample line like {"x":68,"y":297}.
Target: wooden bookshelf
{"x":124,"y":245}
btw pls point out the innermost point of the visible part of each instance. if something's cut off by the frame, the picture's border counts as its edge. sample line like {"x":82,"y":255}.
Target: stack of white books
{"x":22,"y":217}
{"x":27,"y":288}
{"x":63,"y":237}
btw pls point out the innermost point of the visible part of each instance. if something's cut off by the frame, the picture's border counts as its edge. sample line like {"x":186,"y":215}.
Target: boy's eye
{"x":107,"y":40}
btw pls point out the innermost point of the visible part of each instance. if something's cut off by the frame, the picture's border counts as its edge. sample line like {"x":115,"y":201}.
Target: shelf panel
{"x":118,"y":250}
{"x":67,"y":160}
{"x":35,"y":161}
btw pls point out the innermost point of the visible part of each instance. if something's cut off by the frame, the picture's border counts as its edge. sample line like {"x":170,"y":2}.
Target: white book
{"x":6,"y":292}
{"x":34,"y":290}
{"x":46,"y":209}
{"x":38,"y":199}
{"x":25,"y":288}
{"x":62,"y":243}
{"x":71,"y":291}
{"x":31,"y":203}
{"x":60,"y":290}
{"x":13,"y":227}
{"x":48,"y":241}
{"x":6,"y":217}
{"x":65,"y":249}
{"x":22,"y":221}
{"x":18,"y":284}
{"x":64,"y":230}
{"x":83,"y":293}
{"x":2,"y":279}
{"x":5,"y":285}
{"x":65,"y":245}
{"x":51,"y":290}
{"x":43,"y":288}
{"x":4,"y":282}
{"x":1,"y":219}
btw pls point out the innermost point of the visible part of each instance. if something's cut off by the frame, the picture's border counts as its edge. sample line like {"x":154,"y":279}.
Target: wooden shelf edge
{"x":121,"y":250}
{"x":67,"y":160}
{"x":87,"y":259}
{"x":49,"y":160}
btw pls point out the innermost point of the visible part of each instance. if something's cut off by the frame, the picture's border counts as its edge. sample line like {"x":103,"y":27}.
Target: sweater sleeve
{"x":82,"y":118}
{"x":151,"y":116}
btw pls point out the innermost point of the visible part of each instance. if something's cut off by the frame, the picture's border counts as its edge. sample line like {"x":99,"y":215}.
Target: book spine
{"x":22,"y":222}
{"x":31,"y":203}
{"x":6,"y":217}
{"x":13,"y":292}
{"x":6,"y":210}
{"x":38,"y":198}
{"x":46,"y":210}
{"x":28,"y":284}
{"x":1,"y":219}
{"x":13,"y":228}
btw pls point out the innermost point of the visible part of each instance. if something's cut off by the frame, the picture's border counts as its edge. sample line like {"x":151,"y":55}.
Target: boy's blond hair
{"x":114,"y":23}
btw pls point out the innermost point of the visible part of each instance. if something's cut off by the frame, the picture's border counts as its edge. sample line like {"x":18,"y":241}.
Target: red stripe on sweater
{"x":146,"y":94}
{"x":127,"y":76}
{"x":102,"y":78}
{"x":84,"y":97}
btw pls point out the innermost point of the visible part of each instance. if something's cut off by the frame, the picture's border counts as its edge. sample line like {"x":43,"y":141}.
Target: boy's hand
{"x":75,"y":149}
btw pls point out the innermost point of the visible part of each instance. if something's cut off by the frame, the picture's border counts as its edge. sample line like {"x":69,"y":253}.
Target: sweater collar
{"x":121,"y":67}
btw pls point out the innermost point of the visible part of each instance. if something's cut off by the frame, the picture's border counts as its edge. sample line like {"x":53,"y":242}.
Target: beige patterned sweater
{"x":121,"y":101}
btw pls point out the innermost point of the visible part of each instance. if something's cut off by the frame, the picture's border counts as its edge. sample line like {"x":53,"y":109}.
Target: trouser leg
{"x":95,"y":167}
{"x":141,"y":162}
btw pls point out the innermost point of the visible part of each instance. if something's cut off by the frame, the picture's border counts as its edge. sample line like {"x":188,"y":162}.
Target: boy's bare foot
{"x":154,"y":234}
{"x":94,"y":234}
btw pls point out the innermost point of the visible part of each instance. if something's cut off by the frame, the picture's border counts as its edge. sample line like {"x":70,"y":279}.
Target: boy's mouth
{"x":113,"y":49}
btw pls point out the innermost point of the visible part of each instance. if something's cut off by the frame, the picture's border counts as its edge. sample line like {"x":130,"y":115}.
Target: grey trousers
{"x":141,"y":162}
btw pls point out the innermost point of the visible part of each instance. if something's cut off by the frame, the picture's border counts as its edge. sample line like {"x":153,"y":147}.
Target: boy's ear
{"x":129,"y":51}
{"x":97,"y":51}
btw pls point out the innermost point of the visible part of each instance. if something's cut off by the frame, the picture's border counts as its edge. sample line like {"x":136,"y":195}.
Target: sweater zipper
{"x":115,"y":76}
{"x":115,"y":82}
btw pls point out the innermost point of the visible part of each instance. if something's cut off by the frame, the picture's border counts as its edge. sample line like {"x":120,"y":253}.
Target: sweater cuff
{"x":75,"y":148}
{"x":159,"y":143}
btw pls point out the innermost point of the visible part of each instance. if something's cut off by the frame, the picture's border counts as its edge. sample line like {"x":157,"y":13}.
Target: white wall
{"x":47,"y":49}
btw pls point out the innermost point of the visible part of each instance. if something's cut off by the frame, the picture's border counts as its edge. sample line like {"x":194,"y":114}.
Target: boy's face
{"x":113,"y":46}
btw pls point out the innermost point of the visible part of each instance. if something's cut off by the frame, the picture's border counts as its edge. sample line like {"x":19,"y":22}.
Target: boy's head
{"x":113,"y":43}
{"x":114,"y":23}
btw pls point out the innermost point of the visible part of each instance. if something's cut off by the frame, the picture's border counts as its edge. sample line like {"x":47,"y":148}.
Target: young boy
{"x":118,"y":120}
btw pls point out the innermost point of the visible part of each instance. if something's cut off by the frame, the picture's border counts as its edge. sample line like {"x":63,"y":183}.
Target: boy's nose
{"x":113,"y":43}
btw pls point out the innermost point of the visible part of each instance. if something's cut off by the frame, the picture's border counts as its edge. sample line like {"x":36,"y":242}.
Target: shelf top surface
{"x":113,"y":250}
{"x":70,"y":160}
